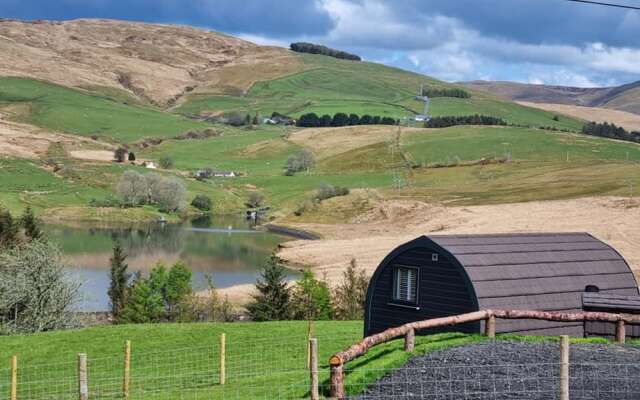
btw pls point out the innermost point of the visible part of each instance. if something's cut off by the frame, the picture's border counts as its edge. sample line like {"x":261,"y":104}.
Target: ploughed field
{"x":514,"y":370}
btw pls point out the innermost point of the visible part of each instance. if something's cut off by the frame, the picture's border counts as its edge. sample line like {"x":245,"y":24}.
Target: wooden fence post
{"x":564,"y":367}
{"x":337,"y":378}
{"x":83,"y":384}
{"x":313,"y":345}
{"x":490,"y":327}
{"x":223,"y":345}
{"x":310,"y":334}
{"x":127,"y":369}
{"x":410,"y":340}
{"x":620,"y":332}
{"x":14,"y":377}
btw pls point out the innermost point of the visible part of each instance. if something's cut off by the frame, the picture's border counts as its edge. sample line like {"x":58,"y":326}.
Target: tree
{"x":273,"y":300}
{"x":201,"y":202}
{"x":349,"y":296}
{"x":166,"y":162}
{"x":170,"y":195}
{"x":31,"y":224}
{"x":367,"y":120}
{"x":325,"y":120}
{"x":177,"y":288}
{"x":120,"y":154}
{"x":143,"y":304}
{"x":119,"y":279}
{"x":311,"y":299}
{"x":256,"y":120}
{"x":8,"y":229}
{"x":132,"y":156}
{"x":132,"y":188}
{"x":300,"y":161}
{"x":340,"y":119}
{"x":354,"y":119}
{"x":36,"y":293}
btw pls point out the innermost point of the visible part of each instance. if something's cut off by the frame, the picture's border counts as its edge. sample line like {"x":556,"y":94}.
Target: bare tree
{"x":132,"y":188}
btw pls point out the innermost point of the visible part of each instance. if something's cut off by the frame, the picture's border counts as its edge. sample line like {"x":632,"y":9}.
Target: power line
{"x":599,"y":3}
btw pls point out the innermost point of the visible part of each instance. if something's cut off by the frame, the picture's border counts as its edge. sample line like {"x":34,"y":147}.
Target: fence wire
{"x":276,"y":368}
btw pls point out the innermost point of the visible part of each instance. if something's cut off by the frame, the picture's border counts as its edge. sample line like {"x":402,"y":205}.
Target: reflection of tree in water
{"x":223,"y":250}
{"x":149,"y":239}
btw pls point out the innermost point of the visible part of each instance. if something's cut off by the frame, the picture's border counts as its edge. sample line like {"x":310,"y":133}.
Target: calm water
{"x":231,"y":256}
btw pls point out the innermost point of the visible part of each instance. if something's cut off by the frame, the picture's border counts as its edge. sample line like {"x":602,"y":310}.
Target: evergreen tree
{"x":8,"y":229}
{"x":143,"y":305}
{"x":273,"y":301}
{"x":119,"y":278}
{"x":177,"y":287}
{"x":354,"y":119}
{"x":31,"y":224}
{"x":132,"y":156}
{"x":311,"y":298}
{"x":256,"y":120}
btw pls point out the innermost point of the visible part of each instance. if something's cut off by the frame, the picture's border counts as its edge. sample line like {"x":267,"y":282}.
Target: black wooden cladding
{"x":547,"y":272}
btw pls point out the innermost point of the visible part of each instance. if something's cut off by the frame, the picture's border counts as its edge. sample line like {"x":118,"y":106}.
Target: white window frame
{"x":396,"y":284}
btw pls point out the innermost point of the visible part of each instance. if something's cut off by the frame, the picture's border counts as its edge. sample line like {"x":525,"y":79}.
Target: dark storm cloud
{"x":277,"y":19}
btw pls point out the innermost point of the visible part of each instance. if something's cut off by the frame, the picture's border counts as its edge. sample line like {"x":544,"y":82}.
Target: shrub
{"x":273,"y":300}
{"x":166,"y":162}
{"x":31,"y":224}
{"x":350,"y":295}
{"x":206,"y":307}
{"x":120,"y":154}
{"x":326,"y":191}
{"x":132,"y":156}
{"x":254,"y":200}
{"x":202,"y":203}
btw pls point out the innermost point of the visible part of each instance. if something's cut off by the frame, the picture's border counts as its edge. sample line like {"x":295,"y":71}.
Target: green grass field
{"x":83,"y":113}
{"x":263,"y":360}
{"x":331,"y":85}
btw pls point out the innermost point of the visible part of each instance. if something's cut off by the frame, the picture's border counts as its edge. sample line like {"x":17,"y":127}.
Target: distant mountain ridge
{"x":624,"y":98}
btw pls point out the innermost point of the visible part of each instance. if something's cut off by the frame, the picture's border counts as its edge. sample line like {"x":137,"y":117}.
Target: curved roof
{"x":541,"y":271}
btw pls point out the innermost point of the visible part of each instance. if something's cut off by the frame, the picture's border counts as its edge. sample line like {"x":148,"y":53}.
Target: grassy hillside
{"x":83,"y":113}
{"x":330,"y":85}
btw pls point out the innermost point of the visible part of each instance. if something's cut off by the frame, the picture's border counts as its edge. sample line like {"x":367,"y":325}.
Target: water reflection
{"x":225,"y":248}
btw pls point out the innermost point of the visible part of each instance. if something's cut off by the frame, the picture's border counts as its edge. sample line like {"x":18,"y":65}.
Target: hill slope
{"x":157,"y":63}
{"x":623,"y":98}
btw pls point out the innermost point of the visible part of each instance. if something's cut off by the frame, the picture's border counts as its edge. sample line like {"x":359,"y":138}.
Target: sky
{"x":533,"y":41}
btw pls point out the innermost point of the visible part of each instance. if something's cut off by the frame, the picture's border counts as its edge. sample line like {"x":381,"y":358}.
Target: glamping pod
{"x":436,"y":276}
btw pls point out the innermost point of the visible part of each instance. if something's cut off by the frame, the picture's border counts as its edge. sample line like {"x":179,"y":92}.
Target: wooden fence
{"x":337,"y":361}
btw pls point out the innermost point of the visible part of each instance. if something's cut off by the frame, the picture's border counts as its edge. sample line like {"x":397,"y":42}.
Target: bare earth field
{"x":624,"y":119}
{"x":612,"y":219}
{"x":326,"y":142}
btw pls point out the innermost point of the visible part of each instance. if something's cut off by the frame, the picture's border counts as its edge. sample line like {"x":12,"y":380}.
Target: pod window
{"x":405,"y":285}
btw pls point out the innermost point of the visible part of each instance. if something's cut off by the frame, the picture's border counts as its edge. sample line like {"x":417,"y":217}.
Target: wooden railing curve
{"x":338,"y":360}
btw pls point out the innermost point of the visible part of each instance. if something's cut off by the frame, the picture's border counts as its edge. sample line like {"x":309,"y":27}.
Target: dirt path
{"x":613,"y":220}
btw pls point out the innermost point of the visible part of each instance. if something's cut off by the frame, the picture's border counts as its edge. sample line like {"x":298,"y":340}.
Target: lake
{"x":227,"y":249}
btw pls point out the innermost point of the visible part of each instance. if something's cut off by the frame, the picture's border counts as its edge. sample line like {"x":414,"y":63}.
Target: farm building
{"x":438,"y":276}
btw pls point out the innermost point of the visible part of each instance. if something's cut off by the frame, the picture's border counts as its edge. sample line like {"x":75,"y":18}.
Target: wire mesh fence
{"x":278,"y":368}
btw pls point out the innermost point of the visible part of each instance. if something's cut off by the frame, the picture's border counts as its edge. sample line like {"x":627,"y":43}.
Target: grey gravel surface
{"x":500,"y":370}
